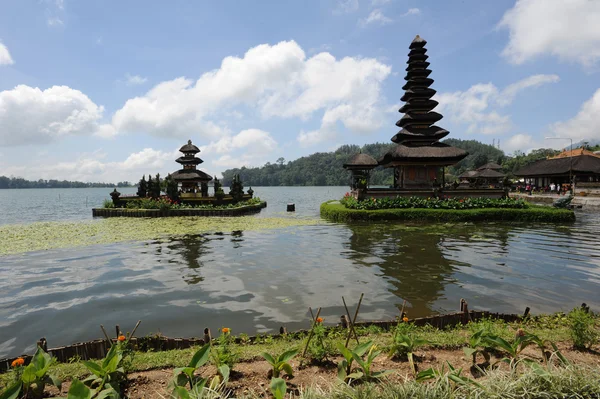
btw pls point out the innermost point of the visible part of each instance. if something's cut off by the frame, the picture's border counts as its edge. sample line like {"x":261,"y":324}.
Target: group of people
{"x":549,"y":189}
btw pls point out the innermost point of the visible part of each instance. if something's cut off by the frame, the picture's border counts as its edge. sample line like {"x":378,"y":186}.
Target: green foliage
{"x":108,"y":377}
{"x":404,"y":343}
{"x":32,"y":379}
{"x":223,"y":353}
{"x":19,"y":182}
{"x":582,"y":324}
{"x":280,"y":363}
{"x":183,"y":376}
{"x":452,"y":377}
{"x":478,"y":344}
{"x":142,"y":190}
{"x":365,"y":370}
{"x":319,"y":347}
{"x":433,"y":203}
{"x":339,"y":213}
{"x":236,"y":188}
{"x":108,"y":204}
{"x":172,"y":189}
{"x":162,"y":203}
{"x":278,"y":388}
{"x":479,"y":154}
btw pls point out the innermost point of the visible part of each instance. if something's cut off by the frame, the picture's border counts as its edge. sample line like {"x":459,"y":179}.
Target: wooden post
{"x":526,"y":313}
{"x":352,"y":331}
{"x":462,"y":301}
{"x":345,"y":321}
{"x":118,"y":330}
{"x":312,"y":331}
{"x":42,"y":343}
{"x":465,"y":307}
{"x":282,"y":330}
{"x":207,"y":336}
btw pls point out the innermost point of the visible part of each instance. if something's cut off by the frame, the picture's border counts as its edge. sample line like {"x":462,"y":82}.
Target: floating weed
{"x":15,"y":239}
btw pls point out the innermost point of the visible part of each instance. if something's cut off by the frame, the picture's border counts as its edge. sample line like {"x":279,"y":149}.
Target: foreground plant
{"x":318,"y":348}
{"x":582,"y":325}
{"x":404,"y":343}
{"x":280,"y":363}
{"x":223,"y":353}
{"x":108,"y":377}
{"x":33,"y":378}
{"x":365,"y":370}
{"x":478,"y":343}
{"x":183,"y":376}
{"x":451,"y":377}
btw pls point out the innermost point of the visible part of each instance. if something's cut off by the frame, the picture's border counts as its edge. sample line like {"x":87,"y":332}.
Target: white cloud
{"x":519,"y":142}
{"x":134,"y":80}
{"x":379,"y":3}
{"x":345,"y":6}
{"x":475,"y":107}
{"x":278,"y":80}
{"x":5,"y":58}
{"x":31,"y":116}
{"x":568,"y":29}
{"x":54,"y":22}
{"x":375,"y":17}
{"x":412,"y":11}
{"x":509,"y":93}
{"x":584,"y":125}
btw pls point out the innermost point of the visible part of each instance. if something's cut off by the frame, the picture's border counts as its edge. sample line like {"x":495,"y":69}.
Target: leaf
{"x":288,"y":369}
{"x":342,"y":369}
{"x":189,"y":371}
{"x":29,"y":374}
{"x":269,"y":358}
{"x":345,"y":352}
{"x":78,"y":390}
{"x":285,"y":356}
{"x":363,"y":348}
{"x":278,"y":388}
{"x":224,"y":371}
{"x":57,"y":382}
{"x":112,"y":352}
{"x":181,"y":393}
{"x":560,"y":356}
{"x":382,"y":373}
{"x":359,"y":360}
{"x":200,"y":357}
{"x":426,"y":375}
{"x":469,"y":351}
{"x":199,"y":387}
{"x":94,"y":368}
{"x":355,"y":376}
{"x":108,"y":393}
{"x":12,"y":392}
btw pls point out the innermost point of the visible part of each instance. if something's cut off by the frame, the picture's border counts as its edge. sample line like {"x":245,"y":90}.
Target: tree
{"x":172,"y":189}
{"x":142,"y":187}
{"x":149,"y":186}
{"x":156,"y":187}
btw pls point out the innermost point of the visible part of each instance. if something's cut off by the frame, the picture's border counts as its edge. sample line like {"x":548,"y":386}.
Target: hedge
{"x":334,"y":211}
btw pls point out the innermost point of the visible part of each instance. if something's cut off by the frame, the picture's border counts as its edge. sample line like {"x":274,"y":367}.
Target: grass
{"x":552,"y":327}
{"x":335,"y":211}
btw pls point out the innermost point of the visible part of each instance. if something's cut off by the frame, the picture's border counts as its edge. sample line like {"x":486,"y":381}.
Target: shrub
{"x":582,"y":328}
{"x":432,"y":203}
{"x":108,"y":204}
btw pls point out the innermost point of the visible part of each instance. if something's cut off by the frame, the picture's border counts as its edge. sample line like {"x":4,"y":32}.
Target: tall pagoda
{"x":189,"y":177}
{"x":419,"y":158}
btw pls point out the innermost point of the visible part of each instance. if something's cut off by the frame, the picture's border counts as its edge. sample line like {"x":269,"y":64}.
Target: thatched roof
{"x":490,"y":165}
{"x":361,"y":161}
{"x":190,"y":175}
{"x":561,"y":166}
{"x":488,"y":173}
{"x":189,"y":160}
{"x":468,"y":174}
{"x":437,"y":152}
{"x":189,"y":147}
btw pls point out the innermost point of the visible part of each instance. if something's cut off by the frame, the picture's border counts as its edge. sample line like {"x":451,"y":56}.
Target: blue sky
{"x":108,"y":90}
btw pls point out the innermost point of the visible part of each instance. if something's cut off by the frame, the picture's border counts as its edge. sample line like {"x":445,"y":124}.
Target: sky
{"x":107,"y":90}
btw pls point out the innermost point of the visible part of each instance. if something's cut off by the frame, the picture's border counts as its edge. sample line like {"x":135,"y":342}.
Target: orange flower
{"x":121,"y":338}
{"x":319,"y":320}
{"x":225,"y":330}
{"x":18,"y":362}
{"x":405,"y":319}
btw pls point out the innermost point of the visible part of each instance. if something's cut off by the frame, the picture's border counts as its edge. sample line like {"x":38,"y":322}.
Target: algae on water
{"x":16,"y":239}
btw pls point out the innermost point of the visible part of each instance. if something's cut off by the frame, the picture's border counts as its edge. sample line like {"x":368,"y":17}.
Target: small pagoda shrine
{"x":191,"y":180}
{"x":360,"y":166}
{"x":419,"y":158}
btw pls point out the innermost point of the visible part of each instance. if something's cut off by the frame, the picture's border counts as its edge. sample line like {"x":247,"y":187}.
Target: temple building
{"x":579,"y":166}
{"x":419,"y":158}
{"x":190,"y":179}
{"x":360,"y":166}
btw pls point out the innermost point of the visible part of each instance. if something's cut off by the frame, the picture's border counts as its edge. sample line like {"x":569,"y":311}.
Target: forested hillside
{"x":18,"y":182}
{"x":325,"y":168}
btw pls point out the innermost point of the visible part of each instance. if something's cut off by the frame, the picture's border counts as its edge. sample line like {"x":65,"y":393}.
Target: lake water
{"x":256,"y":281}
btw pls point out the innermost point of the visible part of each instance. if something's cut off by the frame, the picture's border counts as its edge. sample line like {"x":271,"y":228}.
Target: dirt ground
{"x":252,"y":376}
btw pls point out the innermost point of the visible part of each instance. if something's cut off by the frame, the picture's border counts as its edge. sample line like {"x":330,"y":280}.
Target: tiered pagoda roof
{"x":418,"y":139}
{"x":361,"y":161}
{"x":189,"y":161}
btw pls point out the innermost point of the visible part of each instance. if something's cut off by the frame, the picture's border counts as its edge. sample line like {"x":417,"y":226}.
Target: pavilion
{"x":578,"y":165}
{"x":189,"y":177}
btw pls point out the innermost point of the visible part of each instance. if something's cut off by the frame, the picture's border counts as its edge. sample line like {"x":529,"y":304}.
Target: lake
{"x":256,"y":281}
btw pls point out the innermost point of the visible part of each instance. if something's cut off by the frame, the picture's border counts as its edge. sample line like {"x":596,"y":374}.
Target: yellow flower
{"x":18,"y":362}
{"x":225,"y":330}
{"x":405,"y":319}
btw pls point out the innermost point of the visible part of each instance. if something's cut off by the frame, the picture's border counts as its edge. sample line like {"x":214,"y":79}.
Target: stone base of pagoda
{"x":449,"y":193}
